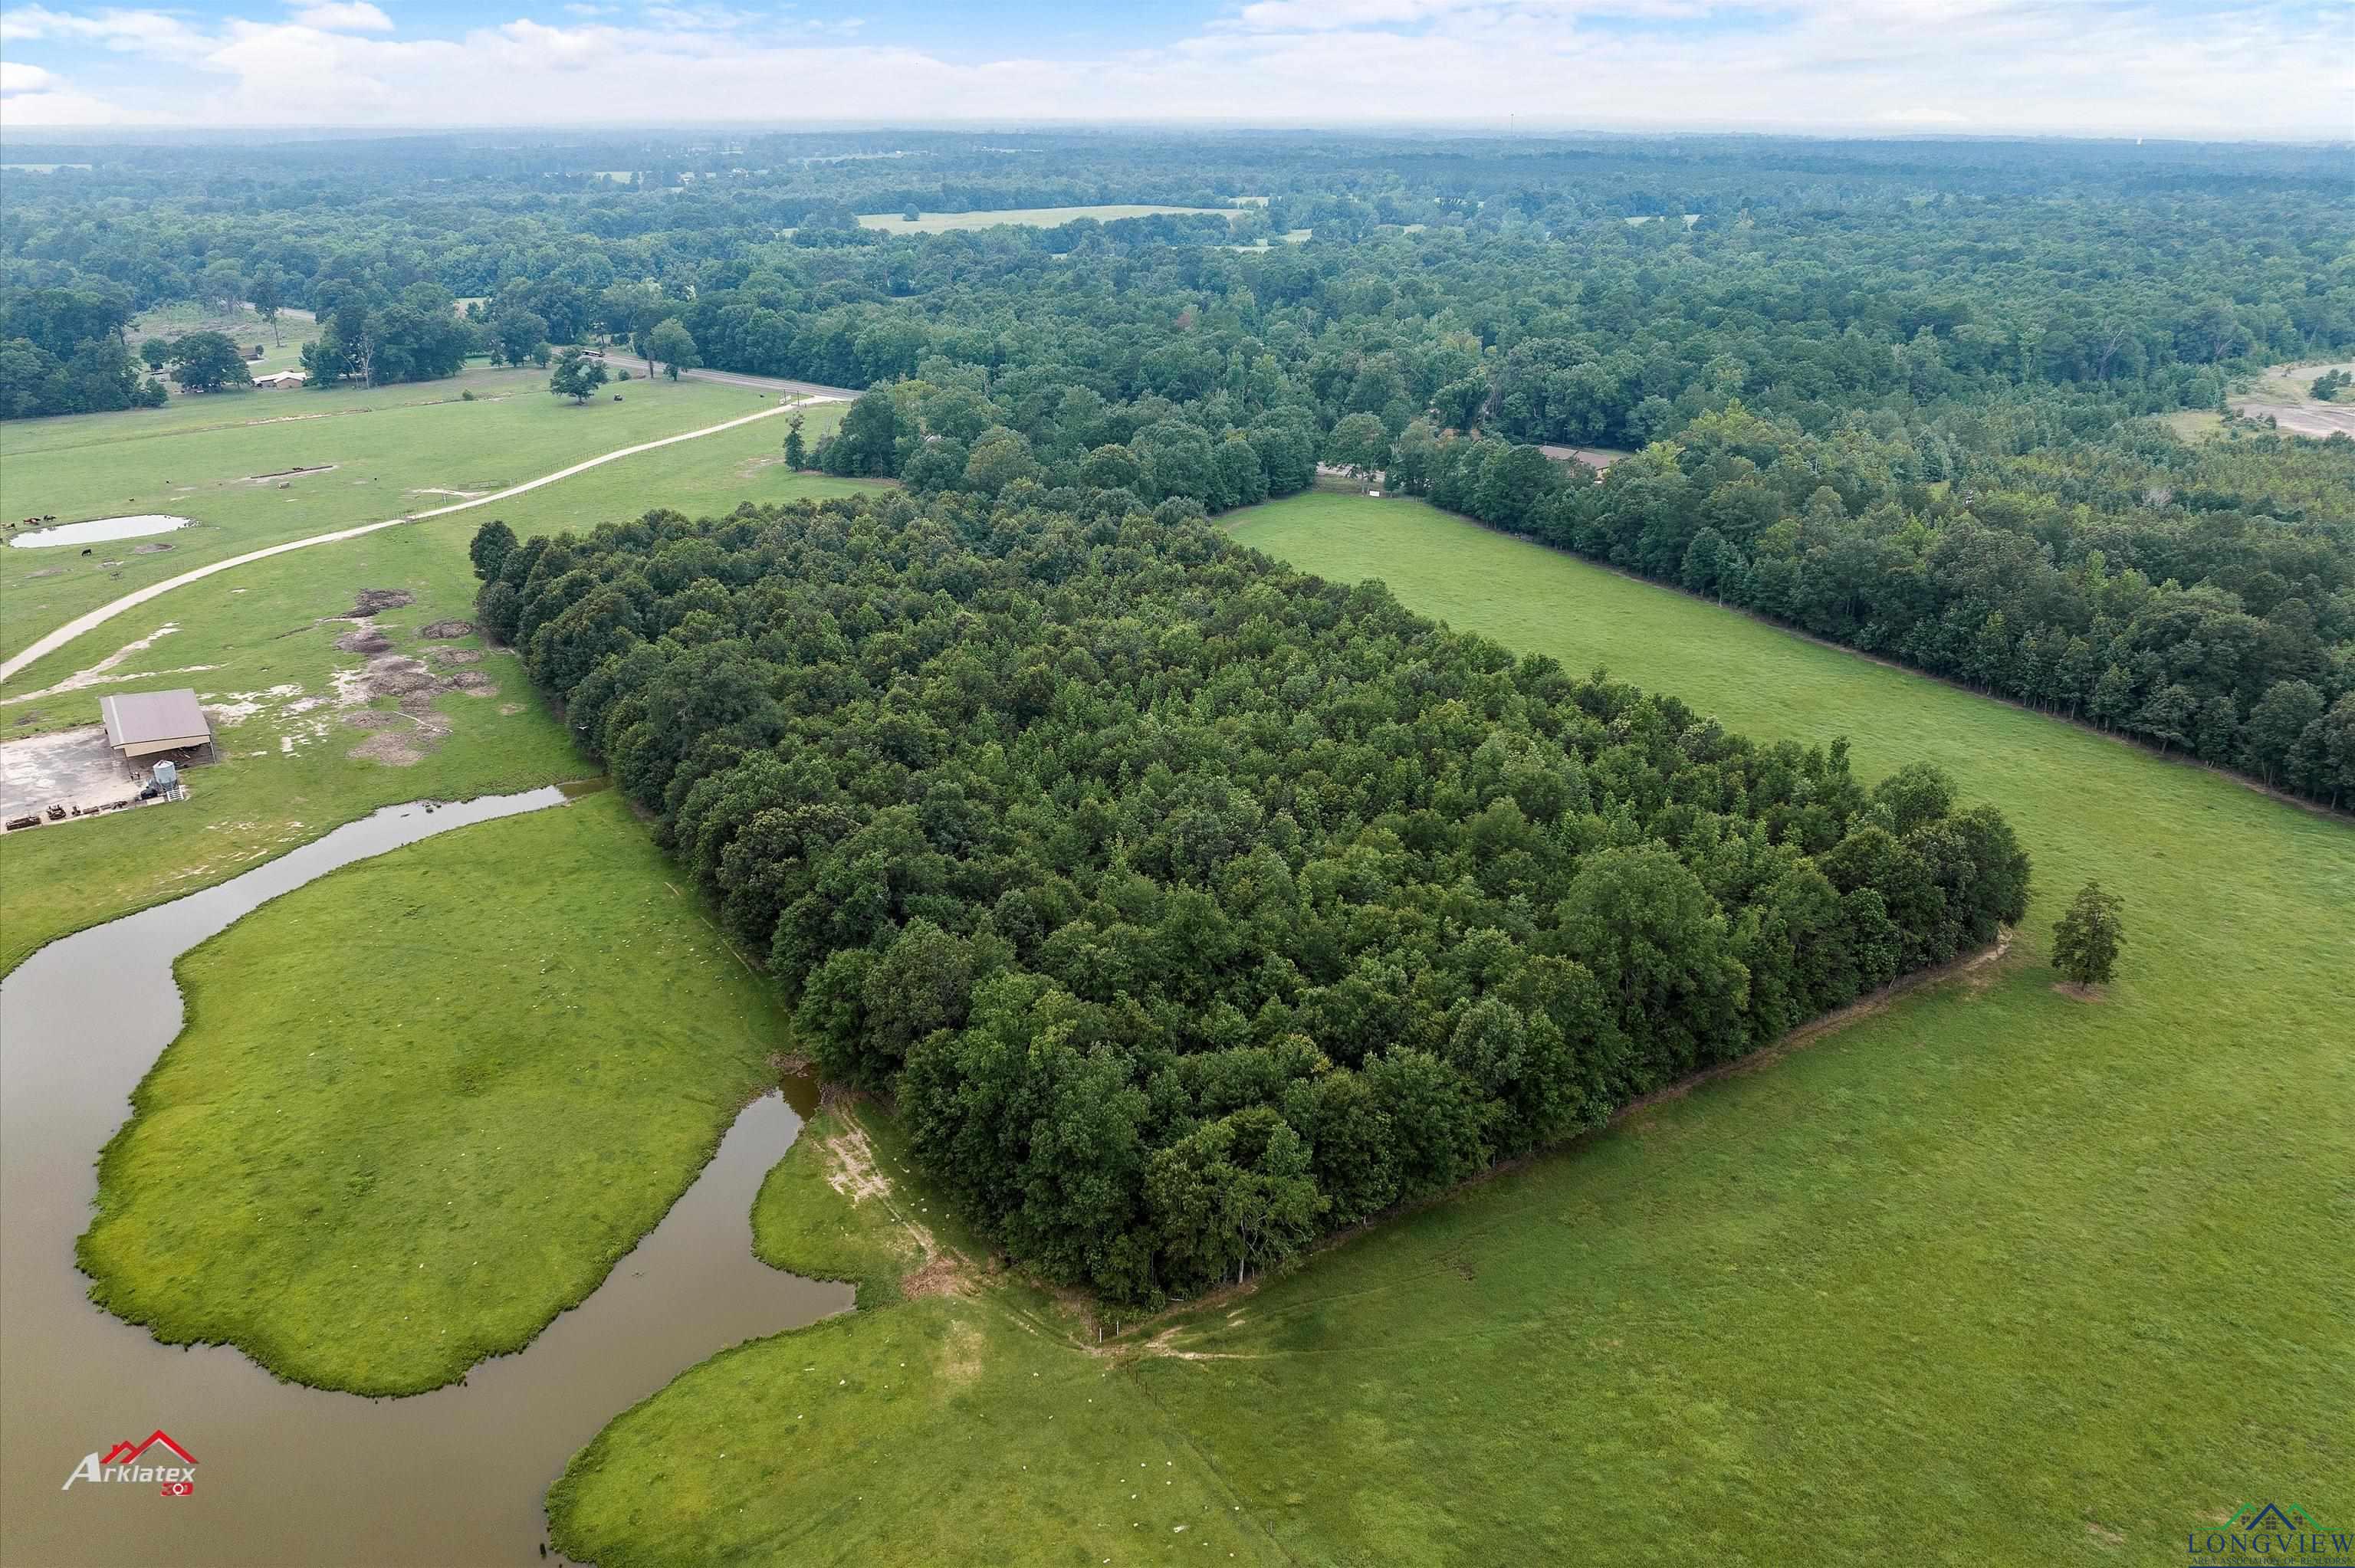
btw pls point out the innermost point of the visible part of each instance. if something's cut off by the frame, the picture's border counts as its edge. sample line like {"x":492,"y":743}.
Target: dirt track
{"x":98,"y":616}
{"x":810,"y":389}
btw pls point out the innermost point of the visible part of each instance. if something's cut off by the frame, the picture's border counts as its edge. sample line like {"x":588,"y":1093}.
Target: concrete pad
{"x":68,"y":767}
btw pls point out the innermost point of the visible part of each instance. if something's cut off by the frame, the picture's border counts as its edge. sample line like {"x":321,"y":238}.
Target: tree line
{"x":1194,"y":907}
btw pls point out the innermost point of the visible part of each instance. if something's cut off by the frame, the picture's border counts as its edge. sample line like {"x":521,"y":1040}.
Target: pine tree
{"x":2087,"y":937}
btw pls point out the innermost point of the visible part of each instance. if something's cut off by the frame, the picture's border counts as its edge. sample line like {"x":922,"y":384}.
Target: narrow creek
{"x":287,"y":1475}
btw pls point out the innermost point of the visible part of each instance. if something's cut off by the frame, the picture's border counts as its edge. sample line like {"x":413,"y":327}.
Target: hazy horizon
{"x":2077,"y":68}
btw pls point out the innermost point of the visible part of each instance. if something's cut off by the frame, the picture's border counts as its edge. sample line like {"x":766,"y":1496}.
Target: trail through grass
{"x":366,"y":453}
{"x":259,"y":646}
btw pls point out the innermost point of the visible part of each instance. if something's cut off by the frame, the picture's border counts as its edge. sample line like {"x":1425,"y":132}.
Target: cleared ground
{"x":2283,"y":394}
{"x":316,"y":725}
{"x":281,"y":350}
{"x":257,"y":468}
{"x":422,"y":1105}
{"x":1989,"y":1275}
{"x":1034,"y":217}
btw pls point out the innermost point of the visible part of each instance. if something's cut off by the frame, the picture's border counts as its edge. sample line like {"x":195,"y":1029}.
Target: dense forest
{"x":1900,"y":395}
{"x":1194,"y":907}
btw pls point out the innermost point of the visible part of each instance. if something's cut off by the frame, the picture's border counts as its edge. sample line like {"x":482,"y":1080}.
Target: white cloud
{"x":345,"y":17}
{"x":17,"y":77}
{"x":2104,"y":67}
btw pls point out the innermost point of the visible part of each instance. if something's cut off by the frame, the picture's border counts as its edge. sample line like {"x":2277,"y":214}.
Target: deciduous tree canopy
{"x":1195,"y":907}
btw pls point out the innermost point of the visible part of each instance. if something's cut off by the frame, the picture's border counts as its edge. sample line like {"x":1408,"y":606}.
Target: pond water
{"x":99,"y":529}
{"x":287,"y":1474}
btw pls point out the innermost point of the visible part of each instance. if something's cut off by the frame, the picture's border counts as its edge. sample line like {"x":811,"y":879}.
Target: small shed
{"x":150,"y":721}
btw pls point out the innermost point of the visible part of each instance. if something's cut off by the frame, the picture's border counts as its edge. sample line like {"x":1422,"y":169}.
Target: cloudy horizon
{"x":2084,"y":68}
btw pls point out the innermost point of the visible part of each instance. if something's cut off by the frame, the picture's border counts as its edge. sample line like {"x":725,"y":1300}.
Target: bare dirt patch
{"x":939,"y":1275}
{"x":149,"y":549}
{"x":367,"y":640}
{"x":389,"y":747}
{"x":2076,"y":992}
{"x":474,"y":682}
{"x":396,"y":675}
{"x":443,"y":630}
{"x":46,"y":572}
{"x":454,"y":655}
{"x":375,"y":601}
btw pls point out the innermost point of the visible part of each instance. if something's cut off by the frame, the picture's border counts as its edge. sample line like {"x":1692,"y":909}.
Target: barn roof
{"x":149,"y":716}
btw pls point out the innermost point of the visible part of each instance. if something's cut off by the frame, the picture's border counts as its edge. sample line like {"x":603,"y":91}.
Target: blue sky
{"x":2161,"y":68}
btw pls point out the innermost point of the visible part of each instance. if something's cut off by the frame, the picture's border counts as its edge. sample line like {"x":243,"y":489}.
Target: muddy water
{"x":99,"y":530}
{"x":287,"y":1475}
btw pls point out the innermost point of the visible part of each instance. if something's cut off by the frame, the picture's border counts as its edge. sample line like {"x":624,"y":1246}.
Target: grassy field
{"x":374,"y":452}
{"x":254,"y":641}
{"x":1988,"y":1275}
{"x":1034,"y":217}
{"x":953,"y":1427}
{"x":281,"y":350}
{"x":410,"y":1031}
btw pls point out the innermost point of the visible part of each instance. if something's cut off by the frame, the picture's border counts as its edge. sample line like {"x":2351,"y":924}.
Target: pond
{"x":100,"y":529}
{"x":283,"y":1473}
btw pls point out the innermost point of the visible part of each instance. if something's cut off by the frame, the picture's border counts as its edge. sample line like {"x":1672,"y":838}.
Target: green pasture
{"x":281,"y":350}
{"x":1989,"y":1275}
{"x":369,"y":453}
{"x":262,"y":638}
{"x":342,"y":1165}
{"x":973,"y":1425}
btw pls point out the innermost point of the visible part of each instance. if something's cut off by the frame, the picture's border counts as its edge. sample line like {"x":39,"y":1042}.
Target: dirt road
{"x":810,"y":389}
{"x":98,"y":616}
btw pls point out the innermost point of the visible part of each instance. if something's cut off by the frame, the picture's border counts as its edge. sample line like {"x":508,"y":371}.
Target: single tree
{"x":265,"y":292}
{"x":493,"y":543}
{"x":517,"y":336}
{"x":1361,"y":445}
{"x":795,"y":450}
{"x":155,"y":353}
{"x":576,"y":377}
{"x":671,"y":343}
{"x":2087,"y":937}
{"x":209,"y":361}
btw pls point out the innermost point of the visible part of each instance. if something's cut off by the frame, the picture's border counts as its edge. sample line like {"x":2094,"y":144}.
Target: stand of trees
{"x":1194,"y":907}
{"x":2177,"y":594}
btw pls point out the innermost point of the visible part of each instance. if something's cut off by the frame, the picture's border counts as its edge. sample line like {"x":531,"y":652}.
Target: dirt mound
{"x":149,"y":549}
{"x":367,"y":640}
{"x":396,"y":675}
{"x":375,"y":602}
{"x":474,"y":683}
{"x":373,"y":718}
{"x":454,"y":655}
{"x":442,"y":630}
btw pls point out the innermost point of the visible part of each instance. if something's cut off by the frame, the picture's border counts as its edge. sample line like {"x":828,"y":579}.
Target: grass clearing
{"x":957,"y":1426}
{"x":366,"y":453}
{"x":242,"y":324}
{"x":288,"y":702}
{"x":413,"y":1115}
{"x":1989,"y":1272}
{"x":1032,"y":216}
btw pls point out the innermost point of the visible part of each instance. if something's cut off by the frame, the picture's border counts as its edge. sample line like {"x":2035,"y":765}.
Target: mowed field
{"x":368,"y":453}
{"x":1989,"y":1275}
{"x":1033,"y":217}
{"x":436,"y":716}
